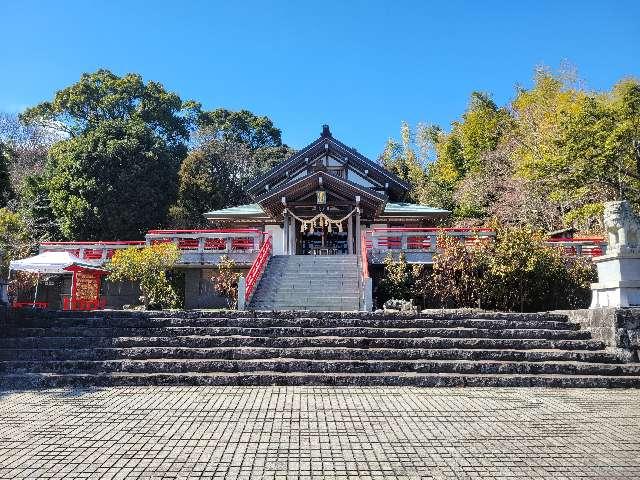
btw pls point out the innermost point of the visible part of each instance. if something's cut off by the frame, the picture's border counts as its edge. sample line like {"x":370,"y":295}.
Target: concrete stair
{"x":305,"y":348}
{"x":309,"y":282}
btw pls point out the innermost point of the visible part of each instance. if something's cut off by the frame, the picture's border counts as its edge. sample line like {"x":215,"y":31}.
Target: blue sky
{"x":361,"y":66}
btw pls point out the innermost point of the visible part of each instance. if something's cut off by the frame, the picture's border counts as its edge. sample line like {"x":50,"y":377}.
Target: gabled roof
{"x":271,"y":201}
{"x":322,"y":144}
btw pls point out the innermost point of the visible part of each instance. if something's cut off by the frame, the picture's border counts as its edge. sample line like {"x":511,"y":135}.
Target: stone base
{"x":619,"y":281}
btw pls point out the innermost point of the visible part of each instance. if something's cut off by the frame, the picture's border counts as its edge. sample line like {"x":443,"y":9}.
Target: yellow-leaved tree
{"x":148,"y":266}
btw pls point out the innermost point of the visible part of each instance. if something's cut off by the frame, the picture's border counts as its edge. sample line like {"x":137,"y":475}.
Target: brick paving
{"x":319,"y":432}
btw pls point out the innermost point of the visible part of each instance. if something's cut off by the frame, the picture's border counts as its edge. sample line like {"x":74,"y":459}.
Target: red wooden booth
{"x":85,"y":289}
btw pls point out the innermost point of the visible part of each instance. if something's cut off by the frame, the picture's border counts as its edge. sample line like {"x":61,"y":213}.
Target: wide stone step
{"x":371,"y":332}
{"x":64,"y":316}
{"x":304,"y":274}
{"x":313,"y":298}
{"x":337,"y":294}
{"x":313,"y":353}
{"x":297,"y":342}
{"x":318,"y":366}
{"x":318,"y":287}
{"x":313,"y":308}
{"x":32,"y":380}
{"x":318,"y":322}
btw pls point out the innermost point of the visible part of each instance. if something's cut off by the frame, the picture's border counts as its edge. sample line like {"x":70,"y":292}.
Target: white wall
{"x":276,"y":232}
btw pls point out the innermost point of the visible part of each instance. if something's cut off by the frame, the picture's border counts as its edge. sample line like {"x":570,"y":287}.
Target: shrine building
{"x":321,"y":199}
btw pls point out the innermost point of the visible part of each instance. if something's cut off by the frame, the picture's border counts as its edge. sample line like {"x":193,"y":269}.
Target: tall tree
{"x":230,"y":149}
{"x":240,"y":127}
{"x":211,"y":177}
{"x":579,"y":144}
{"x":115,"y":174}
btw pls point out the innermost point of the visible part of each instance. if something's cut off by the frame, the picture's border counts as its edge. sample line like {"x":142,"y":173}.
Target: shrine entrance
{"x":322,"y":213}
{"x":322,"y":242}
{"x":321,"y":234}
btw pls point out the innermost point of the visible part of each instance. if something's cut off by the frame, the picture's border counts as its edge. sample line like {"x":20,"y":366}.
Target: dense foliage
{"x":115,"y":174}
{"x":148,"y":266}
{"x":548,"y":159}
{"x":231,"y":149}
{"x":518,"y":272}
{"x":14,"y":239}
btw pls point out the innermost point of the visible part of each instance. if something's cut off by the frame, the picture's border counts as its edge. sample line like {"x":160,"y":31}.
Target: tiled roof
{"x":411,"y":209}
{"x":391,"y":209}
{"x":249,"y":210}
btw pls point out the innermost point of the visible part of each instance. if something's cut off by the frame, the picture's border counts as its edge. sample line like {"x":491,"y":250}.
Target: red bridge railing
{"x":258,"y":266}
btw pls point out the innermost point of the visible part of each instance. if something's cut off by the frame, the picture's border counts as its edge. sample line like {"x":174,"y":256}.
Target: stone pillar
{"x":285,"y":234}
{"x":367,"y":295}
{"x":242,"y":289}
{"x":292,"y":236}
{"x":358,"y":239}
{"x":350,"y":235}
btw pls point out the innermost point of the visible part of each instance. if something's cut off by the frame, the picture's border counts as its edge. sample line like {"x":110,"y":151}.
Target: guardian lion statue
{"x":622,"y":226}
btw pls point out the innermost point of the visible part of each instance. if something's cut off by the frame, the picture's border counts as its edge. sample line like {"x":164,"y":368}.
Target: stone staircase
{"x":305,"y":348}
{"x":309,"y":282}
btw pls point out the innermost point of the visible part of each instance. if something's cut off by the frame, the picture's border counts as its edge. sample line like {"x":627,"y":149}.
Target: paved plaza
{"x":319,"y":432}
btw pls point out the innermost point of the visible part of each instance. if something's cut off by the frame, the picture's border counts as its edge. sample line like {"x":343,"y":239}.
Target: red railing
{"x":195,"y":232}
{"x":258,"y":266}
{"x":580,"y":246}
{"x":424,"y":239}
{"x":95,"y":251}
{"x":217,"y":240}
{"x":420,"y":239}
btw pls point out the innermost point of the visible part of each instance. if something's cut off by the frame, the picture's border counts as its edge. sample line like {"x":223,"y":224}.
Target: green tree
{"x":580,"y":145}
{"x":113,"y":182}
{"x":116,"y":173}
{"x":103,"y":96}
{"x":148,"y":266}
{"x":15,"y":241}
{"x":212,"y":177}
{"x":34,"y":206}
{"x":398,"y":280}
{"x":244,"y":127}
{"x":231,"y":149}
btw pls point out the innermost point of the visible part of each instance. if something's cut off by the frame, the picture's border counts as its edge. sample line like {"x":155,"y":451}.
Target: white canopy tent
{"x":49,"y":263}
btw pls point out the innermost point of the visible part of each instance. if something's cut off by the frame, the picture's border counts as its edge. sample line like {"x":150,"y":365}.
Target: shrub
{"x":523,"y":273}
{"x":226,"y":281}
{"x":148,"y":266}
{"x":456,"y":279}
{"x":516,"y":272}
{"x":398,"y":280}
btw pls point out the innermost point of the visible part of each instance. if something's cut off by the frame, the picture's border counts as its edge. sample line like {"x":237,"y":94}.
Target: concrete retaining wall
{"x":618,"y":328}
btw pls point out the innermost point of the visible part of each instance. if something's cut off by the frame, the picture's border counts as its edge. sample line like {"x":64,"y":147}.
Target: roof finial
{"x":325,"y":131}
